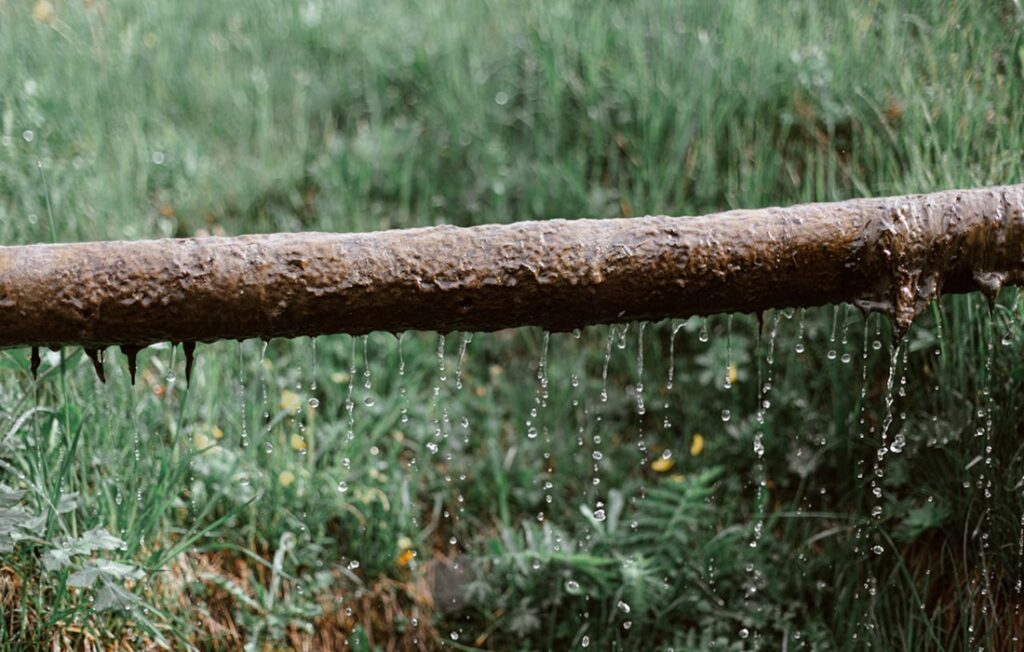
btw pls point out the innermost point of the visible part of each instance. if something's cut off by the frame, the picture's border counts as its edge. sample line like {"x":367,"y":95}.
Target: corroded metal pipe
{"x":892,"y":254}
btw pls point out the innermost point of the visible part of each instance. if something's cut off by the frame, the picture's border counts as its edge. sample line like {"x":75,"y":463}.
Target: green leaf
{"x":106,"y":568}
{"x":114,"y":597}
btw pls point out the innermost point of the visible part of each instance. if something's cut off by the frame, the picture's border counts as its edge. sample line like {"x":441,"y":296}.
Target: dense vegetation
{"x":482,"y":492}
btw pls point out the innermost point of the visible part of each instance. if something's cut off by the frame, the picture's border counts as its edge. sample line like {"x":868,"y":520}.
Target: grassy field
{"x":515,"y":490}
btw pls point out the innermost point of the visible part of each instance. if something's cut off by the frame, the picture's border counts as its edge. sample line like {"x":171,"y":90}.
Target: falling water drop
{"x":368,"y":400}
{"x":466,"y":339}
{"x":242,"y":395}
{"x":350,"y":406}
{"x":622,"y":336}
{"x":402,"y":392}
{"x":800,"y":347}
{"x":312,"y":355}
{"x":640,"y":407}
{"x":845,"y":340}
{"x":170,"y":376}
{"x":883,"y":449}
{"x":831,"y":355}
{"x":607,"y":359}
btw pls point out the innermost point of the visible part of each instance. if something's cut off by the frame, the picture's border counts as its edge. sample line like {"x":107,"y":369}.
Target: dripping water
{"x":799,"y":347}
{"x":350,"y":405}
{"x":538,"y":414}
{"x":831,"y":355}
{"x":402,"y":391}
{"x":728,"y":353}
{"x":463,"y":344}
{"x":666,"y":423}
{"x":878,"y":471}
{"x":368,"y":399}
{"x":263,"y":379}
{"x":844,"y":342}
{"x":242,"y":394}
{"x":641,"y":409}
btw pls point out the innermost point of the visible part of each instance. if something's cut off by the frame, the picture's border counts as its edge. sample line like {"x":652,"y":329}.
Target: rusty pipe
{"x":891,"y":254}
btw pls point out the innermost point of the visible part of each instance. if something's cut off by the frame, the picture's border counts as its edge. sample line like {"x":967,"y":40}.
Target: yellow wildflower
{"x":677,"y":477}
{"x":663,"y":464}
{"x":216,"y":432}
{"x":285,"y":478}
{"x":732,"y":373}
{"x":297,"y":442}
{"x":405,"y":557}
{"x":44,"y":12}
{"x":697,"y":444}
{"x":200,"y":440}
{"x":290,"y":401}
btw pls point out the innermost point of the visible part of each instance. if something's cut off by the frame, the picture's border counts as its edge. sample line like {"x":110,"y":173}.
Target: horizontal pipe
{"x":892,"y":254}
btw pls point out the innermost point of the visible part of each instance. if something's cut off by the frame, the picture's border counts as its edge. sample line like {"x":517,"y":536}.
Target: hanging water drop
{"x":800,"y":347}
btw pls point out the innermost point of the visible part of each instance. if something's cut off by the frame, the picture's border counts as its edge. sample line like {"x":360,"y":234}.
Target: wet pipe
{"x":891,"y":254}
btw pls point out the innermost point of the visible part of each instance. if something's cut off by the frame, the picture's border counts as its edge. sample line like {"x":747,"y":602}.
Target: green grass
{"x":146,"y":119}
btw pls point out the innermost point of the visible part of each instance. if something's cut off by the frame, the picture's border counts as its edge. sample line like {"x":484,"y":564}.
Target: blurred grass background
{"x":381,"y":493}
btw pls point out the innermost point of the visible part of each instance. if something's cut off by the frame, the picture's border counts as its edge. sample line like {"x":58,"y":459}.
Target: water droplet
{"x":342,"y":487}
{"x":313,"y":402}
{"x":572,"y":587}
{"x":28,"y":135}
{"x":369,"y":401}
{"x":744,"y":633}
{"x":726,"y":415}
{"x":878,"y":550}
{"x":624,"y":607}
{"x":268,"y":448}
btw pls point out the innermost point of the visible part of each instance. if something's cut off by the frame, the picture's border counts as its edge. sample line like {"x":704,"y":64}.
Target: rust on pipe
{"x":892,"y":254}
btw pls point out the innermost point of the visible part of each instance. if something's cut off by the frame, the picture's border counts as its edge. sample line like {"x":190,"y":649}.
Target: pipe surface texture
{"x":892,"y":254}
